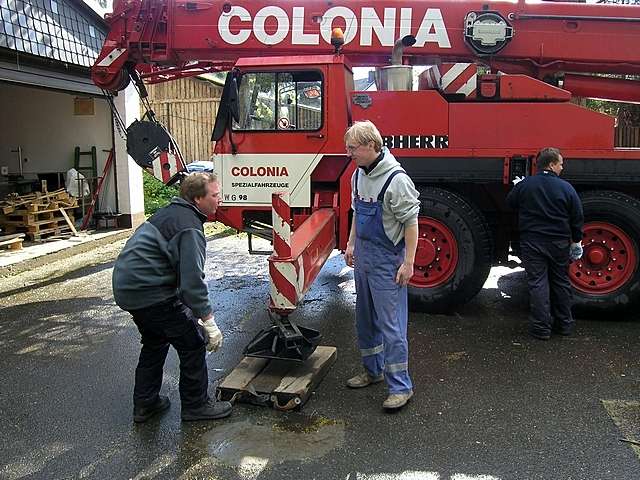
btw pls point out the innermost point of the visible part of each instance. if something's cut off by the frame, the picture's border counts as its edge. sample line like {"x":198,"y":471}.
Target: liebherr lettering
{"x":236,"y":27}
{"x":416,"y":141}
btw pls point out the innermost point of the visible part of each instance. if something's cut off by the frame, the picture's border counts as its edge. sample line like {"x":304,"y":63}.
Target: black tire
{"x":475,"y":251}
{"x":623,"y":212}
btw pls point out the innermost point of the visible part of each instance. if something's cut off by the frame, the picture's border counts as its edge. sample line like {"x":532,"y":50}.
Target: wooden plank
{"x":11,"y":237}
{"x":26,"y":212}
{"x":279,"y":383}
{"x":37,"y":235}
{"x":244,"y":373}
{"x":14,"y":244}
{"x":270,"y":378}
{"x":31,"y":222}
{"x":302,"y":378}
{"x":59,"y":194}
{"x":69,"y":222}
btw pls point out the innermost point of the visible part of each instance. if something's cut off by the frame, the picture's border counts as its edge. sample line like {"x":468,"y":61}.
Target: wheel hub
{"x":608,"y":260}
{"x":436,"y":254}
{"x":597,"y":256}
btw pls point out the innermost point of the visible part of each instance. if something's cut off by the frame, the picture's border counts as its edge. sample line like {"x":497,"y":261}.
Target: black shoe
{"x":144,"y":413}
{"x":565,"y":332}
{"x":540,"y":336}
{"x":209,"y":411}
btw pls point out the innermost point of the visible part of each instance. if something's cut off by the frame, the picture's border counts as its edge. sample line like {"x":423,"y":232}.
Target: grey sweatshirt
{"x":400,"y":205}
{"x":164,"y":258}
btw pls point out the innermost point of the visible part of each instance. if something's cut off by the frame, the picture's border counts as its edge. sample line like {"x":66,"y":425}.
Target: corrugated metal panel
{"x":188,"y":108}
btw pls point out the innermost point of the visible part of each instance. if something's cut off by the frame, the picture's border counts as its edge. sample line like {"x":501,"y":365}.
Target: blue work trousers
{"x":381,"y":304}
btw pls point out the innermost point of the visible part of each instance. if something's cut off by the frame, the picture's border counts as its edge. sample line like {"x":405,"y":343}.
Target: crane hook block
{"x":146,"y":140}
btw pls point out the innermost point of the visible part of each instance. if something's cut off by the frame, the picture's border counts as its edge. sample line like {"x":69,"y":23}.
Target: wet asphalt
{"x":490,"y":403}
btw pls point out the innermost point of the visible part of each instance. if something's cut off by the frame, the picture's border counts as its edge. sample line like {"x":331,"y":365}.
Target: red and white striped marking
{"x":459,"y":78}
{"x":450,"y":78}
{"x":297,"y":256}
{"x":285,"y":273}
{"x":281,"y":213}
{"x":166,"y":166}
{"x":287,"y":283}
{"x":113,"y":55}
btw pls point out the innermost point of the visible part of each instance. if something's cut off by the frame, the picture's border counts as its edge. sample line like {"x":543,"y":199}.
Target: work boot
{"x":364,"y":380}
{"x":397,"y":400}
{"x":211,"y":410}
{"x":562,"y":330}
{"x":143,"y":413}
{"x":539,"y":336}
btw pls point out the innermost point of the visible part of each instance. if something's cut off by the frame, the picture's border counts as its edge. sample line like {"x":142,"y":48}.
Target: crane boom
{"x":539,"y":39}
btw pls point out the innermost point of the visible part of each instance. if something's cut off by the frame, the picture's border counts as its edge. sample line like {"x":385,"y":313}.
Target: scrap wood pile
{"x":38,"y":215}
{"x":11,"y":242}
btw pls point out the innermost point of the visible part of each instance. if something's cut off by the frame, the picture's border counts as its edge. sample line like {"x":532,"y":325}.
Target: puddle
{"x":257,"y":443}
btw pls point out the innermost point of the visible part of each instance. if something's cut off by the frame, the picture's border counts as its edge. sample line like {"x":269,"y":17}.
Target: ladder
{"x":89,"y":171}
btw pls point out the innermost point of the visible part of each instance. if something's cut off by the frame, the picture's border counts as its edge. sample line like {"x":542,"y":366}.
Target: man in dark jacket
{"x":550,"y":221}
{"x":159,"y":278}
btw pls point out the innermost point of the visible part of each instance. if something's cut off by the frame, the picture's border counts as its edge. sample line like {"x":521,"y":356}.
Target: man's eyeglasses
{"x":352,"y":148}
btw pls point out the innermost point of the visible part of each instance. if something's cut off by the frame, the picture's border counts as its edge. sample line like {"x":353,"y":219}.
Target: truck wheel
{"x":607,"y":276}
{"x":454,"y":252}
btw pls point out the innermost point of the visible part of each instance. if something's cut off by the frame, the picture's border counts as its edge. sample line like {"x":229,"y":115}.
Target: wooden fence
{"x":188,"y":108}
{"x":627,"y":137}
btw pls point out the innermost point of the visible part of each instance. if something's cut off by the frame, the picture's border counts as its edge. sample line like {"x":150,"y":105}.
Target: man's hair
{"x":363,"y":133}
{"x":195,"y":185}
{"x":547,"y":156}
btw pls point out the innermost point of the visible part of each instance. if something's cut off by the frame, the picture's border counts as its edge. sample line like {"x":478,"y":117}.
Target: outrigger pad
{"x":284,"y":341}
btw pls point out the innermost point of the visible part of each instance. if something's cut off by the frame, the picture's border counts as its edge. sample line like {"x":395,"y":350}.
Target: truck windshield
{"x":280,"y":101}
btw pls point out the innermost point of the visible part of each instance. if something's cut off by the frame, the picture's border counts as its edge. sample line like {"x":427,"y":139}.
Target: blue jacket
{"x":164,"y":259}
{"x":548,"y":208}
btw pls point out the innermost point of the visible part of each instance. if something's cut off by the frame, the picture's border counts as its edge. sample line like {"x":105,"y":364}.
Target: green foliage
{"x":156,"y":193}
{"x":628,"y":114}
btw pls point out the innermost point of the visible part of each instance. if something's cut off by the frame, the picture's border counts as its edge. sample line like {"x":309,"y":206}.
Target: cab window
{"x":280,"y":101}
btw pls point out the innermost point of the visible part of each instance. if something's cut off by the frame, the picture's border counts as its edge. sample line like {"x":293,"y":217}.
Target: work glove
{"x":213,"y":335}
{"x":517,"y":180}
{"x":575,"y":251}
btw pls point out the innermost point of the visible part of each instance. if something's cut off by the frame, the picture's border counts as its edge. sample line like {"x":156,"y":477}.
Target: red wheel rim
{"x":436,"y":255}
{"x":608,"y":260}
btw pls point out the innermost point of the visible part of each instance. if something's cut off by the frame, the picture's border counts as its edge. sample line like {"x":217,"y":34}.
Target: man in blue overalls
{"x":381,"y":248}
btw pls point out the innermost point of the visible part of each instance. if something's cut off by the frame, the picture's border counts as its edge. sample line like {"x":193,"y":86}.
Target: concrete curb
{"x":33,"y":263}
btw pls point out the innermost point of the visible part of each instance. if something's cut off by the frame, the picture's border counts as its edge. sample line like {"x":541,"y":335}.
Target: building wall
{"x":43,"y":123}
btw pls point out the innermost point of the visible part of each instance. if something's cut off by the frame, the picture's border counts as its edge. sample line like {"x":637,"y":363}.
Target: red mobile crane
{"x":462,"y":136}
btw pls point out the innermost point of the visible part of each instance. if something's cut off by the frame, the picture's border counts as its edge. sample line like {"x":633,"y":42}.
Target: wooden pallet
{"x":38,"y":215}
{"x":39,"y":229}
{"x":279,"y":384}
{"x":11,"y":242}
{"x":38,"y":201}
{"x":27,"y":217}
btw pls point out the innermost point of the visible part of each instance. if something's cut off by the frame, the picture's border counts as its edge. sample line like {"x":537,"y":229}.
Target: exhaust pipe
{"x":396,"y":77}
